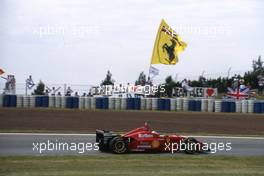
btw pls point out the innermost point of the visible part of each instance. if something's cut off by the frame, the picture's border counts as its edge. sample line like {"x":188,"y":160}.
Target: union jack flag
{"x":238,"y":93}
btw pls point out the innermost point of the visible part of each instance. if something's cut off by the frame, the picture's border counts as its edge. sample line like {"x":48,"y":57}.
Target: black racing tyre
{"x":190,"y":145}
{"x":118,"y":145}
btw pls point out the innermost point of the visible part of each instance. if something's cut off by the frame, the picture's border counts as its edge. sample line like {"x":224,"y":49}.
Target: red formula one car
{"x":142,"y":139}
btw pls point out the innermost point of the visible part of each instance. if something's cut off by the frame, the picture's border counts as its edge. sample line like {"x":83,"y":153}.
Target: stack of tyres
{"x":143,"y":103}
{"x":38,"y":101}
{"x":41,"y":101}
{"x":118,"y":103}
{"x":130,"y":103}
{"x":195,"y":105}
{"x":218,"y":106}
{"x":232,"y":105}
{"x":167,"y":104}
{"x":101,"y":103}
{"x":72,"y":102}
{"x":9,"y":101}
{"x":111,"y":103}
{"x":228,"y":106}
{"x":133,"y":103}
{"x":19,"y":101}
{"x":148,"y":103}
{"x":105,"y":103}
{"x":164,"y":104}
{"x":45,"y":101}
{"x":258,"y":107}
{"x":137,"y":104}
{"x":173,"y":104}
{"x":154,"y":103}
{"x":161,"y":104}
{"x":191,"y":105}
{"x":224,"y":106}
{"x":198,"y":105}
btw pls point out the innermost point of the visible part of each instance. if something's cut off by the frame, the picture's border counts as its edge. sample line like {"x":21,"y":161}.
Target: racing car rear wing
{"x":103,"y":138}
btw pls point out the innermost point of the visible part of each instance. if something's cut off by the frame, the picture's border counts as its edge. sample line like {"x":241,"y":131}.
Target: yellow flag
{"x":167,"y":46}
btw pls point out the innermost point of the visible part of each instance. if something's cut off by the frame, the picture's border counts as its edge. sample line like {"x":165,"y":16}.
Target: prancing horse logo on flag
{"x":170,"y":50}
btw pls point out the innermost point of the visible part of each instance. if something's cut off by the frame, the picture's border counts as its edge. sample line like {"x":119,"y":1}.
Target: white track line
{"x":75,"y":134}
{"x":47,"y":134}
{"x":230,"y":137}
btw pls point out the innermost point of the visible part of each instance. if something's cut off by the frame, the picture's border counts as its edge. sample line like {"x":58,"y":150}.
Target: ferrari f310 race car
{"x":142,"y":139}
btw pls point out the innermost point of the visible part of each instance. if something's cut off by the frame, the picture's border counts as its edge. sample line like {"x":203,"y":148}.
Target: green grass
{"x":131,"y":165}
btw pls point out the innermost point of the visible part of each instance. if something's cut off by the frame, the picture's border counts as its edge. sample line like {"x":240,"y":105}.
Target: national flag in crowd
{"x":154,"y":71}
{"x":167,"y":46}
{"x":1,"y":71}
{"x":238,"y":93}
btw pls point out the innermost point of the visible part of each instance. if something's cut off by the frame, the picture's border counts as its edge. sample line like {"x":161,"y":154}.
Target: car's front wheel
{"x":118,"y":145}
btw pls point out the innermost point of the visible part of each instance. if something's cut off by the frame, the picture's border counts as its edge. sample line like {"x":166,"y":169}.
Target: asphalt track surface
{"x":22,"y":144}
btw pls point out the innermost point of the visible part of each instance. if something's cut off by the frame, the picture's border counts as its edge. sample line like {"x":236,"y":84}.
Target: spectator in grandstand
{"x":68,"y":91}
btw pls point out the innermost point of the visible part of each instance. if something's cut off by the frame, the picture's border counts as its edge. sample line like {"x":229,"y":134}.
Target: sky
{"x":77,"y":41}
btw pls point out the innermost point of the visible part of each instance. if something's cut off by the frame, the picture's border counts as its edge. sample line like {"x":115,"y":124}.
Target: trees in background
{"x":251,"y":79}
{"x":40,"y":89}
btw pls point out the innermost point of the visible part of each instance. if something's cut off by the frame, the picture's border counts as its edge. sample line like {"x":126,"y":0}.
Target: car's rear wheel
{"x":118,"y":145}
{"x":190,"y":145}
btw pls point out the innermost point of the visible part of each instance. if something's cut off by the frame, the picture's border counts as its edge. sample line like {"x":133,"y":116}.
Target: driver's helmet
{"x":154,"y":132}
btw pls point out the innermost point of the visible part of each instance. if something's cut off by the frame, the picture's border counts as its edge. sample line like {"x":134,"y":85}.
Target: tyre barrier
{"x":143,"y":104}
{"x":179,"y":104}
{"x":154,"y":104}
{"x":63,"y":102}
{"x":58,"y":102}
{"x":204,"y":105}
{"x":40,"y":101}
{"x":111,"y":103}
{"x":148,"y":104}
{"x":228,"y":106}
{"x":250,"y":106}
{"x":185,"y":104}
{"x":93,"y":102}
{"x":26,"y":102}
{"x":117,"y":103}
{"x":161,"y":104}
{"x":173,"y":104}
{"x":72,"y":102}
{"x":101,"y":103}
{"x":259,"y":107}
{"x":133,"y":104}
{"x":9,"y":101}
{"x":52,"y":102}
{"x":244,"y":106}
{"x":81,"y":102}
{"x":164,"y":104}
{"x":194,"y":105}
{"x":218,"y":106}
{"x":87,"y":103}
{"x":211,"y":105}
{"x":238,"y":106}
{"x":123,"y":104}
{"x":19,"y":101}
